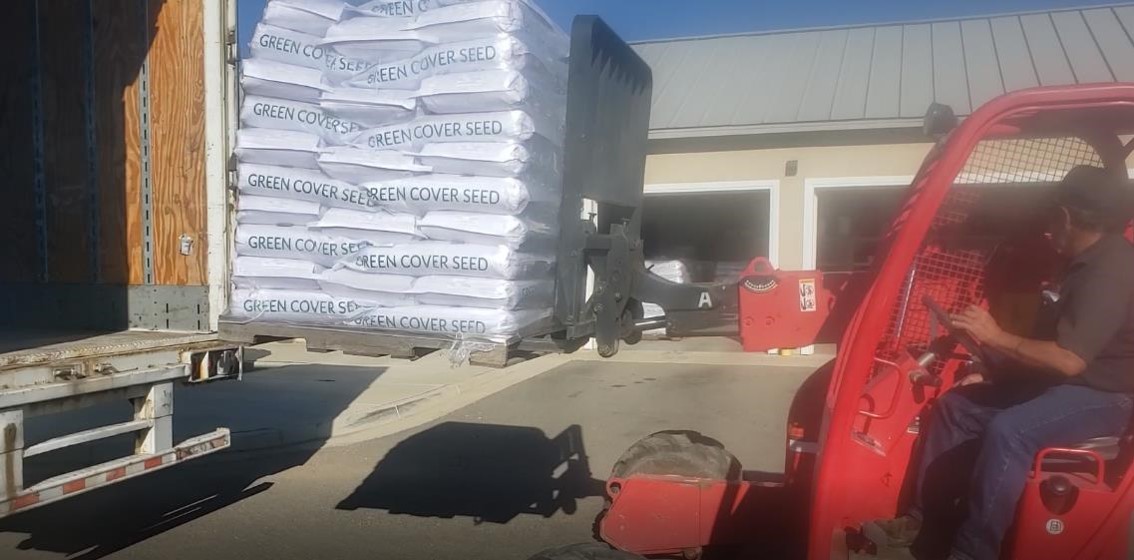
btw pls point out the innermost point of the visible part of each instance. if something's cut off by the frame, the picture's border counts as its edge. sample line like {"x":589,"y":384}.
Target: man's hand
{"x":970,"y":379}
{"x":979,"y":324}
{"x":1042,"y":354}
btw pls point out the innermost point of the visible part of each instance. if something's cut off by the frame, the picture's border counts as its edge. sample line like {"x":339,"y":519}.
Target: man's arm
{"x":1042,"y":354}
{"x":1089,"y":321}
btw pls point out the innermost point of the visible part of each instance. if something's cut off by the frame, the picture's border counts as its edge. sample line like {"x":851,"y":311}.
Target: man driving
{"x":1073,"y":381}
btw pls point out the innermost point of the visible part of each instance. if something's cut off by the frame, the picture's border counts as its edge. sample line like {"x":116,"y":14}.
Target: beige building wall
{"x":770,"y":164}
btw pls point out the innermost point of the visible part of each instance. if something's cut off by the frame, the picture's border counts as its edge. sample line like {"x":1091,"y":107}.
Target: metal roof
{"x":884,"y":76}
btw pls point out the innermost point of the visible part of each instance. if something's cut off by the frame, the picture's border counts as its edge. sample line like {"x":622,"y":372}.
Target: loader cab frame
{"x":872,"y":405}
{"x":854,"y":425}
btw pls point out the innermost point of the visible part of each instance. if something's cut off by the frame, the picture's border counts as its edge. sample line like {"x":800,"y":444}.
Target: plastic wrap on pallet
{"x":496,"y":52}
{"x":338,"y":68}
{"x":268,"y":78}
{"x":489,"y":293}
{"x":470,"y":127}
{"x":428,"y":258}
{"x":530,"y":234}
{"x":265,"y":210}
{"x":369,"y":108}
{"x":313,"y":17}
{"x":534,"y":158}
{"x":301,"y":184}
{"x":471,"y":322}
{"x":484,"y":195}
{"x":388,"y":289}
{"x":492,"y":91}
{"x":473,"y":20}
{"x":357,"y":166}
{"x":307,"y":307}
{"x":256,"y":273}
{"x":390,"y":122}
{"x":295,"y":243}
{"x":377,"y":228}
{"x":399,"y":8}
{"x":375,"y":40}
{"x":265,"y":146}
{"x":285,"y":114}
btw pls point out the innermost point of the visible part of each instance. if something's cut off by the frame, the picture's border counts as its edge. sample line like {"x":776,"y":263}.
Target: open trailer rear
{"x":113,"y":259}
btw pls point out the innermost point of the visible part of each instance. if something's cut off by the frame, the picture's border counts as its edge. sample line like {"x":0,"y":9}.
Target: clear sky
{"x":637,"y":20}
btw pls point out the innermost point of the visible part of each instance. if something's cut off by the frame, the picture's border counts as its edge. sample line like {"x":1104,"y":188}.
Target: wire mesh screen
{"x":951,"y":266}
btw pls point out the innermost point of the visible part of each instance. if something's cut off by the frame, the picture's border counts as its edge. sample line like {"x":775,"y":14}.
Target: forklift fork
{"x":608,"y":119}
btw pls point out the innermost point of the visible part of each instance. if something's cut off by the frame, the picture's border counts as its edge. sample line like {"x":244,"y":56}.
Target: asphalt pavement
{"x":485,"y":481}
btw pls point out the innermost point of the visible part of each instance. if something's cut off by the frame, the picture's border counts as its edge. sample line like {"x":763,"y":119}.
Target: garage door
{"x":851,"y":222}
{"x":716,"y":234}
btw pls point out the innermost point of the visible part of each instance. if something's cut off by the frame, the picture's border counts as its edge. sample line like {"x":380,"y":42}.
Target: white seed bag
{"x":374,"y":40}
{"x":313,"y":17}
{"x":268,"y":78}
{"x":296,"y":306}
{"x":387,"y":289}
{"x":489,"y":293}
{"x":486,"y":229}
{"x":536,"y":157}
{"x":465,"y":21}
{"x":368,"y":107}
{"x":475,"y":127}
{"x":294,"y":243}
{"x":496,"y":52}
{"x":284,"y":114}
{"x":378,"y":228}
{"x":489,"y":91}
{"x":340,"y":68}
{"x":287,"y":46}
{"x":489,"y":324}
{"x":428,"y":258}
{"x":302,"y":184}
{"x":265,"y":146}
{"x":254,"y":273}
{"x":428,"y":193}
{"x":399,"y":9}
{"x":358,"y":166}
{"x":263,"y":210}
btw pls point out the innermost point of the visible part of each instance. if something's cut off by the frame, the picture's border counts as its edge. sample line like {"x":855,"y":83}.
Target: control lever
{"x":976,"y":352}
{"x":920,"y":375}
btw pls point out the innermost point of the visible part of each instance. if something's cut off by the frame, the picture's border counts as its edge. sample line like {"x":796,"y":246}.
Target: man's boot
{"x":893,"y":533}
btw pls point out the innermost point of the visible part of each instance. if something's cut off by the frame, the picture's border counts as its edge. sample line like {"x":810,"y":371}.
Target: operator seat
{"x":1109,"y":448}
{"x":1115,"y":451}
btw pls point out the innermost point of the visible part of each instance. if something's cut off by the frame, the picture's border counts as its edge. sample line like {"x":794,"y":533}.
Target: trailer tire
{"x":678,"y":452}
{"x":588,"y":551}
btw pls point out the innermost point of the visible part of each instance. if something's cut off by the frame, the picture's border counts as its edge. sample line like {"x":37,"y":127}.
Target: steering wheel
{"x":975,"y":349}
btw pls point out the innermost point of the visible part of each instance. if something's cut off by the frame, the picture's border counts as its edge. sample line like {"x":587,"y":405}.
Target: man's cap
{"x":1098,"y":191}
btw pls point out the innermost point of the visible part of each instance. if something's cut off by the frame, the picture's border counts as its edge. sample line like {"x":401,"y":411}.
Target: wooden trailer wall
{"x":102,"y":164}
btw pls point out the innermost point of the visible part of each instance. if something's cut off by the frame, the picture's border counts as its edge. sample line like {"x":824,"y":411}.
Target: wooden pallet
{"x":398,"y":345}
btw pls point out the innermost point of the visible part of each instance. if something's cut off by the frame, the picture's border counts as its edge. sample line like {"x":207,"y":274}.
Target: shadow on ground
{"x":491,"y":473}
{"x":279,"y":419}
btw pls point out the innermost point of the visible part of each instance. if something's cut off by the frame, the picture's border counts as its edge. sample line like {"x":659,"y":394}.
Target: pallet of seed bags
{"x":399,"y":173}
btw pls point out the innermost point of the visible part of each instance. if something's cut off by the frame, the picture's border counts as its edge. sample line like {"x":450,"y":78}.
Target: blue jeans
{"x":993,"y":432}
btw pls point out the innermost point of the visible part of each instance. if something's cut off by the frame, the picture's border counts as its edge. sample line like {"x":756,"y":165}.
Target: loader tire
{"x":588,"y":551}
{"x":678,"y":452}
{"x":683,"y":453}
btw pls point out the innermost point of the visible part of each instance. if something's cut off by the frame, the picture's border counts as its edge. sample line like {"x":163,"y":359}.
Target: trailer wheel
{"x":678,"y":452}
{"x":588,"y":551}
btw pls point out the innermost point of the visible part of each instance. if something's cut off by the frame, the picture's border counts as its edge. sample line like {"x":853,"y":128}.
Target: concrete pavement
{"x":337,"y":399}
{"x":485,"y":481}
